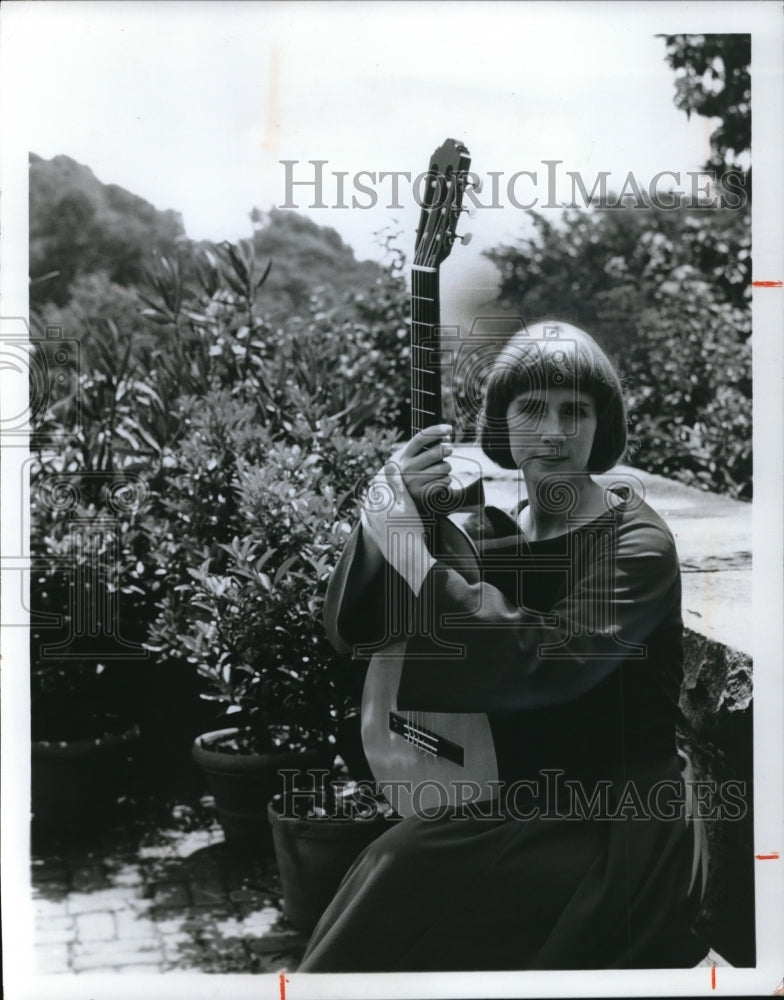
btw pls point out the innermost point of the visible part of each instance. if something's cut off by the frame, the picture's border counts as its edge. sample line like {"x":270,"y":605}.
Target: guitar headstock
{"x":442,"y":195}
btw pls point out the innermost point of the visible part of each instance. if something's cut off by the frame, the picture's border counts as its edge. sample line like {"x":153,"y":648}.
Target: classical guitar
{"x":429,"y":756}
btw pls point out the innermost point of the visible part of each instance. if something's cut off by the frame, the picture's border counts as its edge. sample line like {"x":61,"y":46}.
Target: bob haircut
{"x":553,"y":355}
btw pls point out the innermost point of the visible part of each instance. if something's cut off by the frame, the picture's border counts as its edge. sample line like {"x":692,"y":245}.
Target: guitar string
{"x":422,"y":376}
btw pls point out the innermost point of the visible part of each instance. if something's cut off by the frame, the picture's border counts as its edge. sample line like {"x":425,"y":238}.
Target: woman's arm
{"x":513,"y":658}
{"x":387,"y":553}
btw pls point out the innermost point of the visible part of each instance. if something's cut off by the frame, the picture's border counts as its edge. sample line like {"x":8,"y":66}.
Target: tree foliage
{"x":713,"y":80}
{"x":309,"y":260}
{"x":79,"y":226}
{"x":666,"y":293}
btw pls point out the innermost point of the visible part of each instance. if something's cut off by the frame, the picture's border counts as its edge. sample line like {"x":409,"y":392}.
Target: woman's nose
{"x":551,"y":428}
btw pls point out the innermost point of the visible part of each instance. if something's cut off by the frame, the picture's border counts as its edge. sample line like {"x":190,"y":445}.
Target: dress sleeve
{"x":355,"y":599}
{"x":364,"y":588}
{"x":624,"y":585}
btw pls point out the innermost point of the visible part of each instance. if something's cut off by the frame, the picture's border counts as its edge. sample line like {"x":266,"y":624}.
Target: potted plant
{"x":84,"y":687}
{"x":256,"y":638}
{"x":90,"y":598}
{"x":272,"y":725}
{"x":248,"y":514}
{"x":83,"y":748}
{"x":318,"y":834}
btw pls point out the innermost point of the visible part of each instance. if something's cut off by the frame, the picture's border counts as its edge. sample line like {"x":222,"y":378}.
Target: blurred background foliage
{"x":667,"y":295}
{"x":251,"y":389}
{"x":713,"y":80}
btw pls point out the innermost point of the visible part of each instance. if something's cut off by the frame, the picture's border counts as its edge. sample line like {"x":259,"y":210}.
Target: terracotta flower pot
{"x":73,"y":782}
{"x":243,"y":784}
{"x":313,"y":855}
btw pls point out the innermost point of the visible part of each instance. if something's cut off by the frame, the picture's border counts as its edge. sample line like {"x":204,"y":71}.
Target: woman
{"x":572,"y":646}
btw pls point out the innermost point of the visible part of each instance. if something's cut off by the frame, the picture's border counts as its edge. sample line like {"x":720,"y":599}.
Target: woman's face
{"x":551,"y":431}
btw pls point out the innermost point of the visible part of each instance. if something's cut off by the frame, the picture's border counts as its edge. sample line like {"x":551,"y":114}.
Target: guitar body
{"x":427,"y":760}
{"x":423,"y":760}
{"x":430,"y":761}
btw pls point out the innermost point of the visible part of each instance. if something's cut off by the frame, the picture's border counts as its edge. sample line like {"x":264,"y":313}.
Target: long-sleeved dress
{"x":573,"y":648}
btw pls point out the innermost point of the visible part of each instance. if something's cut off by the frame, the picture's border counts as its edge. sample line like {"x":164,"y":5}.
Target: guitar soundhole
{"x":425,"y":740}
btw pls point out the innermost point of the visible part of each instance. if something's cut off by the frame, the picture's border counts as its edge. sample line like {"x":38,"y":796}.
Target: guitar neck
{"x":426,"y":401}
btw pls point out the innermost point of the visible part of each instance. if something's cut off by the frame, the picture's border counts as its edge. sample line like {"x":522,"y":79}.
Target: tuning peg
{"x":475,"y":183}
{"x":465,"y":239}
{"x":470,"y":212}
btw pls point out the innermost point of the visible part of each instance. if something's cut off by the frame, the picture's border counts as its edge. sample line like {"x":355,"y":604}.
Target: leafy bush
{"x":246,"y":511}
{"x":254,"y":630}
{"x":90,"y":604}
{"x":689,"y":389}
{"x":247,"y":441}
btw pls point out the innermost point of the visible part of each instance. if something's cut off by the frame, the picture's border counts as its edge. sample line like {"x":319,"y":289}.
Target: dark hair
{"x":551,"y":355}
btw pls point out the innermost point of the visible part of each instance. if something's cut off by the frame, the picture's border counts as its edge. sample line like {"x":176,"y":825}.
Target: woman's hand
{"x":423,"y":463}
{"x":390,"y":511}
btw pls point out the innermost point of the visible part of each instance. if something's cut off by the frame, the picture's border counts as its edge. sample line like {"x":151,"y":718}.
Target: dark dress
{"x":573,"y":649}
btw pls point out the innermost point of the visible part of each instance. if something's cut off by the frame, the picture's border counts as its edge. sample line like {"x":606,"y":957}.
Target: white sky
{"x":193,"y":105}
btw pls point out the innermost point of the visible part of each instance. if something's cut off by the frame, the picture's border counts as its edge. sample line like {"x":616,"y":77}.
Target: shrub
{"x":245,"y":443}
{"x":89,"y":606}
{"x":255,"y":631}
{"x":247,"y":513}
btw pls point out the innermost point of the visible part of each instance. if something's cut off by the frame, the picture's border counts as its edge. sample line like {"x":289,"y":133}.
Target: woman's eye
{"x":528,"y":409}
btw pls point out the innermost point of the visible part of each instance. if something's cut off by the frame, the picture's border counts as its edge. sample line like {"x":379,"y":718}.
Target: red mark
{"x":713,"y":977}
{"x":767,"y":284}
{"x":767,"y":857}
{"x":283,"y":982}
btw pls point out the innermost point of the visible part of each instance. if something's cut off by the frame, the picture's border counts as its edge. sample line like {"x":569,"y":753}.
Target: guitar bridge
{"x":425,"y":740}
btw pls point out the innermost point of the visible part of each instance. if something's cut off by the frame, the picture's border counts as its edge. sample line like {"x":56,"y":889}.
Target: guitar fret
{"x":426,"y":357}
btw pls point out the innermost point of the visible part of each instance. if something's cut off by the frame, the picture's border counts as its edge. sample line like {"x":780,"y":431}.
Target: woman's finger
{"x":424,"y":440}
{"x":427,"y":473}
{"x":428,"y":458}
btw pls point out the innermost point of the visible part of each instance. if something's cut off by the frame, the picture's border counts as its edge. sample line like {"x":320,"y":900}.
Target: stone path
{"x":173,"y":898}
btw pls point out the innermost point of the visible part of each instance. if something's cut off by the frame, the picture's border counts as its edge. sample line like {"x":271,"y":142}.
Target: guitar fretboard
{"x":425,"y":371}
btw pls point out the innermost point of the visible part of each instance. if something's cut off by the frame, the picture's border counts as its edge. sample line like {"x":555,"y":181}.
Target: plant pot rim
{"x":75,"y":748}
{"x":205,"y":752}
{"x":304,"y":825}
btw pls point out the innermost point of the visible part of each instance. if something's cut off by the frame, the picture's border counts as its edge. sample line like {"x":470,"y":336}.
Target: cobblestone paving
{"x":175,"y":898}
